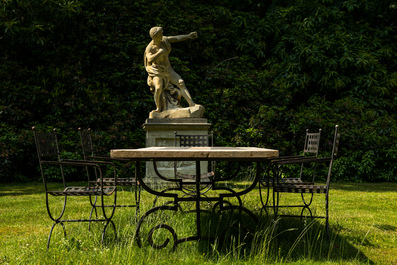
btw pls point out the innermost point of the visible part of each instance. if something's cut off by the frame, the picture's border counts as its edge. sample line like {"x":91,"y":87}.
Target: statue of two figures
{"x":162,"y":79}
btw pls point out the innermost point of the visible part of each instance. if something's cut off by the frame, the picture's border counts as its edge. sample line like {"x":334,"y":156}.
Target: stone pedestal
{"x":161,"y":132}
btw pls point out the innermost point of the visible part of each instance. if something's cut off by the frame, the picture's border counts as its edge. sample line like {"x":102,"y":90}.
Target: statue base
{"x":161,"y":132}
{"x":196,"y":111}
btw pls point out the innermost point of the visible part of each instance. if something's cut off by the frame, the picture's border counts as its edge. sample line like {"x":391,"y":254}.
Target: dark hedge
{"x":265,"y":71}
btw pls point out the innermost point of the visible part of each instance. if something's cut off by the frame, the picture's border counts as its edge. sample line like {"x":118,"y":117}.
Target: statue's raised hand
{"x":193,"y":35}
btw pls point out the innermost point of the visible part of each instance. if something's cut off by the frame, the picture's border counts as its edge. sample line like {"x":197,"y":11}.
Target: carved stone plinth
{"x":190,"y":112}
{"x":161,"y":132}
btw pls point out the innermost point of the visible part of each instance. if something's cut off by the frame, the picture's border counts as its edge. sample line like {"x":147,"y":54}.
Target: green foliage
{"x":335,"y":63}
{"x":53,"y":172}
{"x":264,"y":70}
{"x":14,"y":146}
{"x":33,"y":22}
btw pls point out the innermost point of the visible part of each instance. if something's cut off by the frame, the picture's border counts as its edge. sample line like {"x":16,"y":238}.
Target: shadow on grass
{"x":236,"y":234}
{"x":299,"y":238}
{"x":344,"y":186}
{"x":20,"y":189}
{"x":387,"y":227}
{"x":286,"y":239}
{"x":365,"y":187}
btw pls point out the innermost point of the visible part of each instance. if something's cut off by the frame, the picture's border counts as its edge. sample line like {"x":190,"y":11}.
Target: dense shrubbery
{"x":264,"y":71}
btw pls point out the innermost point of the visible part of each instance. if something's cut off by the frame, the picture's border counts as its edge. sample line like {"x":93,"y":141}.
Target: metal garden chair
{"x":54,"y":171}
{"x":183,"y":140}
{"x":185,"y":182}
{"x":304,"y":188}
{"x":310,"y":149}
{"x":89,"y":153}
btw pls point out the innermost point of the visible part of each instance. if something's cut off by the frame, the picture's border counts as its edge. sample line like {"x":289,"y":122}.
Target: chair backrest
{"x":48,"y":150}
{"x":47,"y":145}
{"x":334,"y":153}
{"x":86,"y":142}
{"x":335,"y":147}
{"x":311,"y":147}
{"x":194,"y":140}
{"x":312,"y":143}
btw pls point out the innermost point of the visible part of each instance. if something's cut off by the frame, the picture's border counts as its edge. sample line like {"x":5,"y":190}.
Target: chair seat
{"x":301,"y":188}
{"x":190,"y":182}
{"x":286,"y":181}
{"x":120,"y":181}
{"x":289,"y":181}
{"x":84,"y":191}
{"x":193,"y":177}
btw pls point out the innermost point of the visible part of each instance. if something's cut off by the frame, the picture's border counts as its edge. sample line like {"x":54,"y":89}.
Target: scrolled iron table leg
{"x":141,"y":220}
{"x":167,"y":240}
{"x":196,"y":198}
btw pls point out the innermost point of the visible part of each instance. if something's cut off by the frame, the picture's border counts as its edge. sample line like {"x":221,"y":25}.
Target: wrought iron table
{"x":197,"y":154}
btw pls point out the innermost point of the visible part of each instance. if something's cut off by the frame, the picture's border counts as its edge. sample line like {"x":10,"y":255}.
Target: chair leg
{"x":326,"y":214}
{"x":104,"y":231}
{"x":93,"y":208}
{"x":137,"y":200}
{"x":304,"y":201}
{"x":52,"y":229}
{"x":275,"y":203}
{"x":264,"y":204}
{"x":307,"y":208}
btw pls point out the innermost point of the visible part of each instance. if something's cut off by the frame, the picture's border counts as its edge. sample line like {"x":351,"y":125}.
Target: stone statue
{"x":162,"y":77}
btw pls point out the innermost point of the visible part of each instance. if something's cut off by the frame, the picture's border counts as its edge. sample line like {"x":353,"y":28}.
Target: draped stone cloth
{"x":171,"y":96}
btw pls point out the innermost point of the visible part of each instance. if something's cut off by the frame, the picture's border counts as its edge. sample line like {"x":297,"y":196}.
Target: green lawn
{"x":363,"y":220}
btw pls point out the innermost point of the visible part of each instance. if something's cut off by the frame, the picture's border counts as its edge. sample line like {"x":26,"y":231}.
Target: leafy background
{"x":265,"y":70}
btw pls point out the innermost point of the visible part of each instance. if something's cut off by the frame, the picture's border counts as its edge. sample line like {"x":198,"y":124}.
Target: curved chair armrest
{"x":108,"y":158}
{"x":305,"y":160}
{"x":281,"y":158}
{"x":80,"y":163}
{"x":91,"y":162}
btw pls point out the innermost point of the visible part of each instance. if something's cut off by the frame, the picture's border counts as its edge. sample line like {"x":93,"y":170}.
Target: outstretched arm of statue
{"x":191,"y":35}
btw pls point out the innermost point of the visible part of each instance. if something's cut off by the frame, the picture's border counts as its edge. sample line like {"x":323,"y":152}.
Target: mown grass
{"x":362,"y":217}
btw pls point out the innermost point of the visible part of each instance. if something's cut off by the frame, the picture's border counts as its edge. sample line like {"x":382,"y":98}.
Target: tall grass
{"x":362,"y":217}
